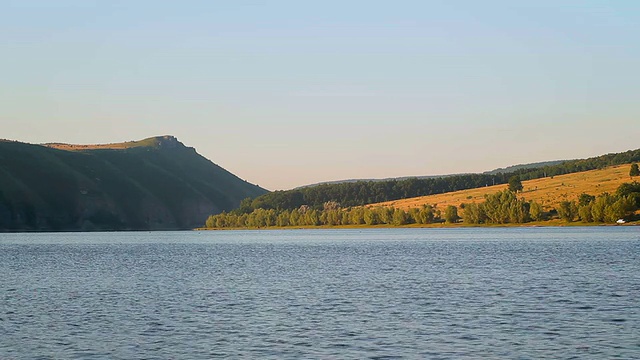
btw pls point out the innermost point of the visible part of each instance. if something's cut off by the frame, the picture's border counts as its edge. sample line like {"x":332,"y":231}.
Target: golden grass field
{"x":74,"y":147}
{"x":149,"y":142}
{"x":547,"y":191}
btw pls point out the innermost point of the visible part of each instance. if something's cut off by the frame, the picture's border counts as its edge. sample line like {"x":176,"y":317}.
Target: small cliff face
{"x":168,"y":142}
{"x":155,"y":183}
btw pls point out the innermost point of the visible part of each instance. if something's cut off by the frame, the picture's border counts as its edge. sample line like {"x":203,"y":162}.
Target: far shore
{"x":549,"y":223}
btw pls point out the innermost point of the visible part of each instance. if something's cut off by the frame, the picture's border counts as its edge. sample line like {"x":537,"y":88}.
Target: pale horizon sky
{"x":290,"y":93}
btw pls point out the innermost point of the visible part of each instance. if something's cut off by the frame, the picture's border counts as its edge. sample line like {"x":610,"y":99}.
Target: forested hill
{"x":156,"y":183}
{"x":512,"y":168}
{"x":368,"y":192}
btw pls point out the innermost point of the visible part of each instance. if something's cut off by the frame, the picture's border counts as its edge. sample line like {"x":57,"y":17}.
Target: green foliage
{"x":535,"y":211}
{"x":500,"y":208}
{"x":275,"y":200}
{"x":305,"y":216}
{"x":519,"y":212}
{"x":515,"y":184}
{"x":385,"y":215}
{"x":573,"y":166}
{"x":474,"y":214}
{"x":425,"y":215}
{"x":584,"y":213}
{"x":371,"y":217}
{"x":567,"y":211}
{"x":365,"y":192}
{"x":609,"y":208}
{"x":585,"y":199}
{"x":628,"y":189}
{"x":312,"y":218}
{"x":400,"y":217}
{"x":504,"y":207}
{"x":164,"y":186}
{"x":599,"y":206}
{"x":451,"y":214}
{"x":357,"y":216}
{"x":634,"y":171}
{"x":631,"y":190}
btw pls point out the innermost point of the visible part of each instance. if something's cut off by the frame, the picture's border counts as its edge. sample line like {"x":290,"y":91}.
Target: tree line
{"x":603,"y":208}
{"x":366,"y":192}
{"x":503,"y":207}
{"x":330,"y":215}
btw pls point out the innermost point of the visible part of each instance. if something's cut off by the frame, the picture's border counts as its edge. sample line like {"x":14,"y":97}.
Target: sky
{"x":290,"y":93}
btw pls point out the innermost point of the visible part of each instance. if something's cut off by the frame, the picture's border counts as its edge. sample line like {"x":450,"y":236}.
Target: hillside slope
{"x":549,"y":191}
{"x":360,"y":193}
{"x":156,"y":183}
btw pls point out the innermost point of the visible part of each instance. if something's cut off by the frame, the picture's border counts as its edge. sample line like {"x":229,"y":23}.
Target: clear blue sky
{"x":287,"y":93}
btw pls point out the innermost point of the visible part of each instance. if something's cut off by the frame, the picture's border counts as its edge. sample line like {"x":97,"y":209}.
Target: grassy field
{"x":149,"y":142}
{"x":547,"y":191}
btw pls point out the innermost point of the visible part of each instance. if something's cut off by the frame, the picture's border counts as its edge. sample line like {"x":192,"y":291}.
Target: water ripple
{"x":373,"y":294}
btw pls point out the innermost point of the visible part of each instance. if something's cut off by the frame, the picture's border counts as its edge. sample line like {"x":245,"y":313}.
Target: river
{"x":526,"y":293}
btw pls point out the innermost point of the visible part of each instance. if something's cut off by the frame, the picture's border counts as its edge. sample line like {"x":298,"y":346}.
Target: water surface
{"x":526,"y":293}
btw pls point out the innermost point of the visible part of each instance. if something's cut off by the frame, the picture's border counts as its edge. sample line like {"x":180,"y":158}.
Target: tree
{"x":357,"y":216}
{"x":584,"y":213}
{"x":599,"y":205}
{"x":294,"y":218}
{"x":211,"y":222}
{"x":567,"y":211}
{"x":627,"y":189}
{"x":618,"y":210}
{"x":519,"y":212}
{"x":370,"y":217}
{"x":385,"y":215}
{"x":498,"y":207}
{"x":414,"y":216}
{"x":426,"y":214}
{"x":399,"y":217}
{"x":283,"y":218}
{"x":221,"y":220}
{"x":451,"y":214}
{"x":585,"y":199}
{"x":474,"y":214}
{"x":631,"y":190}
{"x":515,"y":184}
{"x":634,"y":171}
{"x":312,"y":218}
{"x":535,"y":211}
{"x":346,"y":217}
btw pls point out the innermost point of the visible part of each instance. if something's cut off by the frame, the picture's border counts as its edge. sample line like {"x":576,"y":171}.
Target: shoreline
{"x":537,"y":224}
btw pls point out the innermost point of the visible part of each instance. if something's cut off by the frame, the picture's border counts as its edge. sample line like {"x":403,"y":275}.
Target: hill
{"x":548,"y":191}
{"x":514,"y":168}
{"x":155,"y":183}
{"x":359,"y":193}
{"x":401,"y":178}
{"x":597,"y":196}
{"x":508,"y":169}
